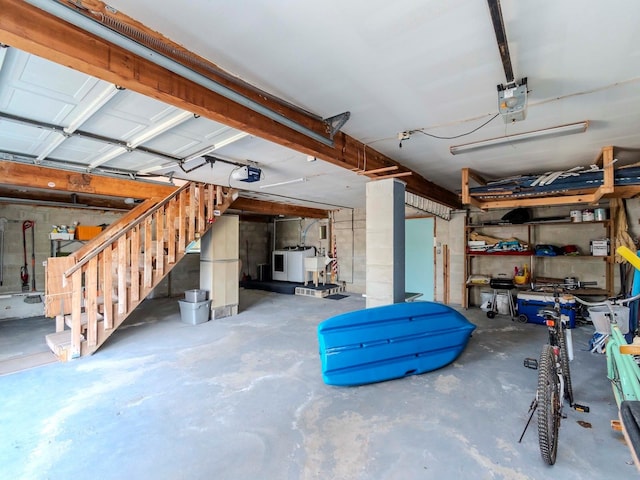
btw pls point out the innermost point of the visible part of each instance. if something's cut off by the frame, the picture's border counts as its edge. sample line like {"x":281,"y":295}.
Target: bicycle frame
{"x":622,"y":369}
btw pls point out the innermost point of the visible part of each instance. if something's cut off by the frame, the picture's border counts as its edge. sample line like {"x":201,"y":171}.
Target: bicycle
{"x":622,"y":367}
{"x":554,"y":377}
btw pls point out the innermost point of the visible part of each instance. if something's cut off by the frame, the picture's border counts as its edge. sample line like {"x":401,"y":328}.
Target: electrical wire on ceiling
{"x":406,"y":135}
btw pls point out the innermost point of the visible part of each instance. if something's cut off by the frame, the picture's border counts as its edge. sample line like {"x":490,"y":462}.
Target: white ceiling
{"x":396,"y":66}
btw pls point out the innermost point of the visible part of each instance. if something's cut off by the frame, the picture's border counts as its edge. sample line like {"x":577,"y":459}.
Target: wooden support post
{"x":148,"y":254}
{"x":171,"y":232}
{"x":107,"y":286}
{"x":191,"y":217}
{"x":121,"y":253}
{"x":201,"y":202}
{"x":467,"y":199}
{"x":76,"y":313}
{"x":158,"y":217}
{"x":135,"y":264}
{"x":91,"y":307}
{"x":210,"y":193}
{"x":182,"y":232}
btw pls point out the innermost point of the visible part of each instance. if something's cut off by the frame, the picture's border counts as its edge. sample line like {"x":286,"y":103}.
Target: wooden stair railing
{"x":93,"y":290}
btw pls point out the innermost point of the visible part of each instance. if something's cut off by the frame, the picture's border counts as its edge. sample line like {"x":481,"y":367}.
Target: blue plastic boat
{"x":393,"y":341}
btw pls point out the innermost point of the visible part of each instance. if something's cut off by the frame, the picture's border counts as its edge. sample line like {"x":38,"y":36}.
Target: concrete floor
{"x":242,"y":398}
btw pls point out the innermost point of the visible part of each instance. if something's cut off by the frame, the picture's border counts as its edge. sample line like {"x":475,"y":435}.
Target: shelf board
{"x":526,"y":253}
{"x":571,"y":256}
{"x":535,"y":224}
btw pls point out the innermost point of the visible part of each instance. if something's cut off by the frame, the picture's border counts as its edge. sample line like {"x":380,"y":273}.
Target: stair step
{"x":84,"y":319}
{"x":60,"y":343}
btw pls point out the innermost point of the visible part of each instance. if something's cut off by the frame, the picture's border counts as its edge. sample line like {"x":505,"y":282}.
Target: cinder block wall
{"x":45,"y":218}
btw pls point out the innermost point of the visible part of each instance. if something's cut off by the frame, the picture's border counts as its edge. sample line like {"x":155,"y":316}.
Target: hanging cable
{"x":406,"y":135}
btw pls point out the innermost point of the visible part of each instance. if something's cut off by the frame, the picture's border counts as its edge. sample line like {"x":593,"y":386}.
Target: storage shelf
{"x":527,"y":253}
{"x":540,"y":232}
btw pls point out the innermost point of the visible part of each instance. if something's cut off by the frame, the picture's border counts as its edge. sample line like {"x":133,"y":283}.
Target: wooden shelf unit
{"x":540,"y":233}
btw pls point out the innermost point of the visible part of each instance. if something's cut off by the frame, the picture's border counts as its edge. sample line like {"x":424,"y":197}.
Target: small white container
{"x":576,"y":216}
{"x":194,"y":296}
{"x":588,"y":215}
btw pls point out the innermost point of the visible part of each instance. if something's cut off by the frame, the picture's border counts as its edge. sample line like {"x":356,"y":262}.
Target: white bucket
{"x":485,"y":301}
{"x":502,"y":301}
{"x":600,"y":318}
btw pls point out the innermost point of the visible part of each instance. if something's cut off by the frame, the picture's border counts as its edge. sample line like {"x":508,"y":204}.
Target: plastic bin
{"x":530,"y":303}
{"x":195,"y":313}
{"x":195,"y":295}
{"x":600,"y":318}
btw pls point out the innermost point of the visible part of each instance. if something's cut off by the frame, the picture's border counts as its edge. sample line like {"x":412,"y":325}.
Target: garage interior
{"x":149,"y":152}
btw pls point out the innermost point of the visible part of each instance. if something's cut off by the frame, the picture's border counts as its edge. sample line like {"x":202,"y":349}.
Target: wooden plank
{"x":392,"y":175}
{"x":182,"y":228}
{"x":159,"y":222}
{"x":191,"y":215}
{"x":121,"y":252}
{"x":135,"y":263}
{"x":91,"y":306}
{"x":171,"y":232}
{"x":148,"y":254}
{"x":476,"y":177}
{"x":210,"y":193}
{"x":218,"y":195}
{"x":607,"y":161}
{"x":107,"y":286}
{"x":76,"y":312}
{"x":537,"y":202}
{"x":377,"y":170}
{"x":58,"y":290}
{"x":201,"y":202}
{"x":273,"y":208}
{"x":33,"y":176}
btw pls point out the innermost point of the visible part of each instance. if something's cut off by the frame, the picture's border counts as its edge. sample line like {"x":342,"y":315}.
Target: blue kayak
{"x":392,"y":341}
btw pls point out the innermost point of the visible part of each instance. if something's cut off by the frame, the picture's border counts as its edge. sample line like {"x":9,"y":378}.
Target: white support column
{"x":219,"y":261}
{"x":385,"y":242}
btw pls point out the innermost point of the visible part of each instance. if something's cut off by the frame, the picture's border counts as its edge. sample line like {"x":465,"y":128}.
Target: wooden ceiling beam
{"x":271,"y":208}
{"x":30,"y":29}
{"x":45,"y":178}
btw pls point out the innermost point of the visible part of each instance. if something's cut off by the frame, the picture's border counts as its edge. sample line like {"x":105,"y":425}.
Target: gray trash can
{"x":194,"y":313}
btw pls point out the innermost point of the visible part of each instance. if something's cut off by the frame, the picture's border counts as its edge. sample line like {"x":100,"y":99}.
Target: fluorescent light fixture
{"x":287,"y":182}
{"x":560,"y":130}
{"x":223,"y":143}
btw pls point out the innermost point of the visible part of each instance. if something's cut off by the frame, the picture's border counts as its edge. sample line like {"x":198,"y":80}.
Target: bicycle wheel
{"x":548,"y":396}
{"x":564,"y":364}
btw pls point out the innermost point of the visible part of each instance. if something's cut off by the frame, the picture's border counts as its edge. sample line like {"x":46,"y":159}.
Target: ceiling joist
{"x":271,"y":208}
{"x":31,"y":29}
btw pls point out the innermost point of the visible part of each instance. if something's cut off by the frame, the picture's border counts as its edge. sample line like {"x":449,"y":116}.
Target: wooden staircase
{"x":93,"y":290}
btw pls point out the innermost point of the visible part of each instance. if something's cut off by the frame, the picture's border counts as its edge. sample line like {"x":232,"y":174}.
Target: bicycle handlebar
{"x":608,"y":301}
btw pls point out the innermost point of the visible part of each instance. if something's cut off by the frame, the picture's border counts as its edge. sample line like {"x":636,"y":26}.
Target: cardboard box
{"x":600,"y":248}
{"x":87,"y":232}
